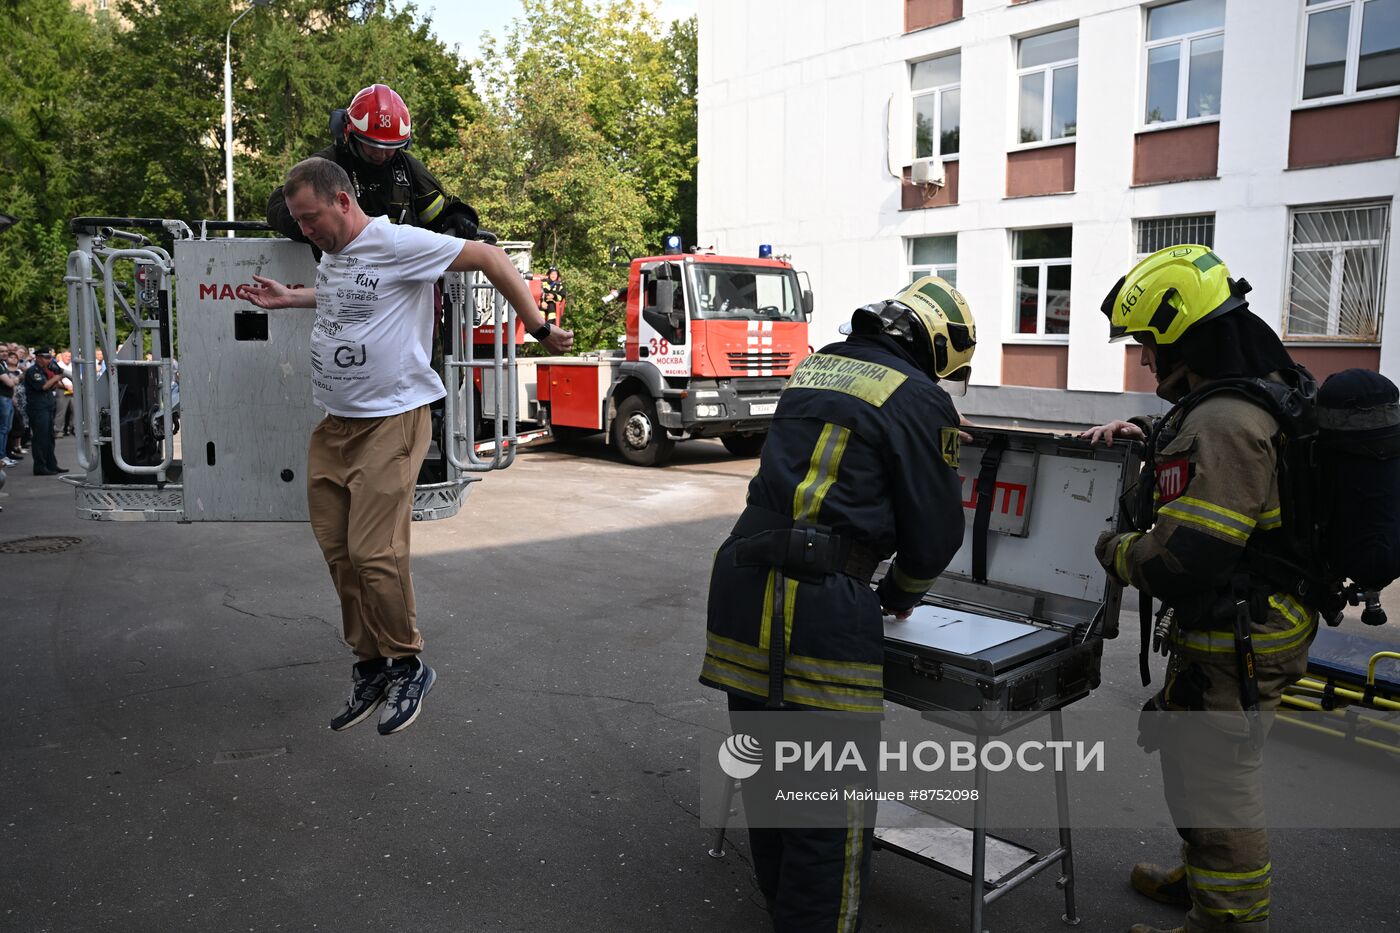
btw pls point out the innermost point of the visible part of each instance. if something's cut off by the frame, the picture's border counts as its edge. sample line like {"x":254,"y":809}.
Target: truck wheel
{"x":744,"y":445}
{"x":638,"y":436}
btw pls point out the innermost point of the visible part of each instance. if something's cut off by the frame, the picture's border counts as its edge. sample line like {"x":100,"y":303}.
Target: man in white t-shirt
{"x":371,"y":374}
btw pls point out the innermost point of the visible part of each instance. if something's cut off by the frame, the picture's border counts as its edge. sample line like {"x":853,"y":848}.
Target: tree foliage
{"x":578,"y":131}
{"x":46,"y":117}
{"x":583,"y":138}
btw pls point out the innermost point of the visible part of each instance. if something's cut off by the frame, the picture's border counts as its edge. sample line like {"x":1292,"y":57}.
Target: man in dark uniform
{"x":1207,"y":549}
{"x":860,"y":463}
{"x":370,"y":142}
{"x":40,"y":381}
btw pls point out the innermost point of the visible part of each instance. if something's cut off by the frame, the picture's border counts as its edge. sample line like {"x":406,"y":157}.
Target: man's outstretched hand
{"x":559,"y":340}
{"x":269,"y":294}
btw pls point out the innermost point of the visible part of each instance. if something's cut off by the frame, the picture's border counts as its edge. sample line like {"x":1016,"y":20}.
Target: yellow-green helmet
{"x":933,"y":316}
{"x":1170,"y":292}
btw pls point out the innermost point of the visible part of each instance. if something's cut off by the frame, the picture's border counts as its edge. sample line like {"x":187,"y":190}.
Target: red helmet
{"x":378,"y":117}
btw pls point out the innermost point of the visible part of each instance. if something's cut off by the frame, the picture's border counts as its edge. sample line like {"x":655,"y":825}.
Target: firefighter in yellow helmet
{"x":1212,"y":547}
{"x":860,"y":463}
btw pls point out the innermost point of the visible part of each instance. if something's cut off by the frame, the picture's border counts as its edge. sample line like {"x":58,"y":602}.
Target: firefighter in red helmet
{"x":371,"y":139}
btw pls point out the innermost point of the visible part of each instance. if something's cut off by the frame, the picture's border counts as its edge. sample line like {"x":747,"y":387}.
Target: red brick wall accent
{"x":1324,"y":361}
{"x":1137,"y":377}
{"x":1355,"y":132}
{"x":1182,"y":154}
{"x":1041,"y":366}
{"x":1047,"y":170}
{"x":921,"y":14}
{"x":913,"y":197}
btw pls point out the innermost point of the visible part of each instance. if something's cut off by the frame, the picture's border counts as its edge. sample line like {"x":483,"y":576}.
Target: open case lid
{"x":1054,"y":496}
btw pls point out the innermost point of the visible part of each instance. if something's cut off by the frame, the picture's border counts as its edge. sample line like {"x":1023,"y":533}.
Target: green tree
{"x":45,"y":121}
{"x":122,"y":115}
{"x":584,"y":138}
{"x":309,"y":58}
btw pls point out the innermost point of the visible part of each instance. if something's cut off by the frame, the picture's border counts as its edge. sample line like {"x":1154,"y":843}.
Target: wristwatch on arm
{"x":541,"y":332}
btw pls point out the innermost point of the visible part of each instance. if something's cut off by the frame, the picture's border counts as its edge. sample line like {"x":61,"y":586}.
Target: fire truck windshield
{"x":744,"y":293}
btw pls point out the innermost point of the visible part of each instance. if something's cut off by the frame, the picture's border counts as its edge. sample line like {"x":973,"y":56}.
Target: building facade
{"x":1031,"y":150}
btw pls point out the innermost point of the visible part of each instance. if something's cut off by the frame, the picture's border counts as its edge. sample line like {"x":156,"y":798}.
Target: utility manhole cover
{"x":38,"y":545}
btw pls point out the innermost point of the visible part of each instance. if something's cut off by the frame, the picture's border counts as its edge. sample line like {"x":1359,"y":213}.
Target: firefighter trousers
{"x":1213,"y":777}
{"x":811,"y":875}
{"x":359,"y":490}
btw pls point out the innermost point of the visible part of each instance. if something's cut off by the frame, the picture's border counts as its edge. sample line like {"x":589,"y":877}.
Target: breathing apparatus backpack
{"x":1358,"y":460}
{"x":1339,"y":486}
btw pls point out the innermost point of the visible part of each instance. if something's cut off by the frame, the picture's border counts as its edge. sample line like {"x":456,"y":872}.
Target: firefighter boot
{"x":1162,"y":885}
{"x":1144,"y":928}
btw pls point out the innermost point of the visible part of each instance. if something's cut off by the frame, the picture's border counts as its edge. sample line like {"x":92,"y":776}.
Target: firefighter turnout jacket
{"x":401,"y":189}
{"x":1216,"y":496}
{"x":1215,"y":510}
{"x":860,"y":462}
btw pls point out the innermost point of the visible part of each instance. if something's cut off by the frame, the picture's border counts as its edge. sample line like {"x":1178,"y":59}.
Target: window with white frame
{"x":1185,"y":52}
{"x":1041,"y":278}
{"x":1337,"y":272}
{"x":934,"y":255}
{"x":937,"y":106}
{"x":1352,"y":47}
{"x":1162,"y":232}
{"x":1048,"y":75}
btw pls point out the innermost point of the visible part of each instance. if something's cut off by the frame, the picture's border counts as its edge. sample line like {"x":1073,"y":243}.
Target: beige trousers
{"x":1228,"y":871}
{"x":359,"y":491}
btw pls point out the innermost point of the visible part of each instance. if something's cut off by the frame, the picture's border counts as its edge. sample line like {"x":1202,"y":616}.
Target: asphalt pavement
{"x":165,"y":761}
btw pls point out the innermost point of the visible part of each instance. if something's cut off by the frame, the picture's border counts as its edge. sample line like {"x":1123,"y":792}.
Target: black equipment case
{"x":1017,"y":621}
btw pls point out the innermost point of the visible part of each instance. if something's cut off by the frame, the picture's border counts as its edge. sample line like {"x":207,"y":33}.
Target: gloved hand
{"x":1151,"y":721}
{"x":461,"y":221}
{"x":1105,"y":548}
{"x":893,"y":600}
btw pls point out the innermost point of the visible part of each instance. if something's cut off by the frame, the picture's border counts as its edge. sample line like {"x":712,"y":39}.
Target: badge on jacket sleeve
{"x":1172,"y":479}
{"x":949,"y":444}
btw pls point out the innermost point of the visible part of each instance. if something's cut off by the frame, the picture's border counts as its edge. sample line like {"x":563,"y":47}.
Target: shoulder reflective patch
{"x":1172,"y":479}
{"x":869,"y":382}
{"x":950,"y":445}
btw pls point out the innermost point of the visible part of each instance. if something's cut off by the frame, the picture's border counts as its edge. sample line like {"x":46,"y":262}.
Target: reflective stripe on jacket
{"x":1216,"y":491}
{"x":863,"y":443}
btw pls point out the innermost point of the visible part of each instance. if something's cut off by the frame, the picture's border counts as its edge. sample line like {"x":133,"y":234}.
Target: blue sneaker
{"x":409,"y":682}
{"x":371,"y":680}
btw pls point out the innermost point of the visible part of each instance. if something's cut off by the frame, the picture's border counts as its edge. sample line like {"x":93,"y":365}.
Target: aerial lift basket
{"x":205,"y":405}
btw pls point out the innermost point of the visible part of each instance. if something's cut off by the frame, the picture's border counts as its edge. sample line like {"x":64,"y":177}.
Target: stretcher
{"x":1351,"y":691}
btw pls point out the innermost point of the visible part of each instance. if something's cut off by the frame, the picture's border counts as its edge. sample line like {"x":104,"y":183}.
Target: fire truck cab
{"x":710,"y":342}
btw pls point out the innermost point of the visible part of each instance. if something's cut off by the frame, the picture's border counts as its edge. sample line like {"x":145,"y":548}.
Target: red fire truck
{"x":710,"y":343}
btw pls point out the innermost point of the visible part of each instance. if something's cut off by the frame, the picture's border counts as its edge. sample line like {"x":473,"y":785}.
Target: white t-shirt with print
{"x":372,"y":340}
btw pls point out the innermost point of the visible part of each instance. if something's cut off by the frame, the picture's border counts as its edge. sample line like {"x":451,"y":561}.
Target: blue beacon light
{"x":673,"y":245}
{"x":765,"y":251}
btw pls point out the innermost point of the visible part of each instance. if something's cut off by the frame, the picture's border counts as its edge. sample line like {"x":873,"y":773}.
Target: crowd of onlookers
{"x":36,"y":404}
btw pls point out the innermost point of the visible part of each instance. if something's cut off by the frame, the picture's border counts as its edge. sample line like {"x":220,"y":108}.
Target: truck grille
{"x":760,"y":362}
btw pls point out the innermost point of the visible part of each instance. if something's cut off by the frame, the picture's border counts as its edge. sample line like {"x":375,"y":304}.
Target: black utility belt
{"x":1214,"y":611}
{"x":801,"y":550}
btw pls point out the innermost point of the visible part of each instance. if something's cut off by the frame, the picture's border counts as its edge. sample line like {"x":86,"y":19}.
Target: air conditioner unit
{"x":928,"y":172}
